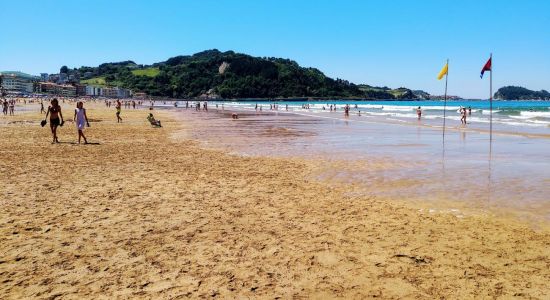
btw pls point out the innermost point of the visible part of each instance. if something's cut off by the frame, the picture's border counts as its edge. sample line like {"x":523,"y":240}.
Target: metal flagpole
{"x":491,"y":101}
{"x":445,"y":101}
{"x":490,"y":128}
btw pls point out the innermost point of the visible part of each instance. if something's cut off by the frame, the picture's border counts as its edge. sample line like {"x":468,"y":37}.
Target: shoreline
{"x":147,"y":213}
{"x":281,"y":134}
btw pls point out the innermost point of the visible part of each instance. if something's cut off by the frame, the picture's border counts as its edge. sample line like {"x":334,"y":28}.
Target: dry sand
{"x":146,"y":215}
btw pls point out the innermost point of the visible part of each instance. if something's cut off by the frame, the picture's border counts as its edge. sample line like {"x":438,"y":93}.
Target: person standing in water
{"x":419,"y":112}
{"x":56,"y":118}
{"x":463,"y":113}
{"x":118,"y":109}
{"x":81,"y":120}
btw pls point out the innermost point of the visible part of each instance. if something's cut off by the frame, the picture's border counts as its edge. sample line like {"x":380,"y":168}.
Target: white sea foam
{"x":398,"y":108}
{"x":533,"y":114}
{"x":370,"y":106}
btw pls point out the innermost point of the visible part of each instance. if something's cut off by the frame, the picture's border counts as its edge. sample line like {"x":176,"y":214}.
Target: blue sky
{"x":391,"y":43}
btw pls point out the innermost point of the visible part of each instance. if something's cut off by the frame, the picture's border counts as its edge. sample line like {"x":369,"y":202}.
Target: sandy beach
{"x":147,"y":213}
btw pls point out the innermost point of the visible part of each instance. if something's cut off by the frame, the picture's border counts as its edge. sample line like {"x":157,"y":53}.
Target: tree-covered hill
{"x":520,"y":93}
{"x":231,"y":75}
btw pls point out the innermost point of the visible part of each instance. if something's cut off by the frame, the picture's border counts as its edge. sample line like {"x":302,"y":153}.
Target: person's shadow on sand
{"x":75,"y":143}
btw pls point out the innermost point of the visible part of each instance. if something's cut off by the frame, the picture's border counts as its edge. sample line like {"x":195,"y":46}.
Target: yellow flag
{"x":443,"y":71}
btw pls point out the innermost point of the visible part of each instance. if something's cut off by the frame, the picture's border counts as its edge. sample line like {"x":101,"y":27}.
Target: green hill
{"x":151,"y":72}
{"x":373,"y":92}
{"x":231,"y":75}
{"x":520,"y":93}
{"x":98,"y":81}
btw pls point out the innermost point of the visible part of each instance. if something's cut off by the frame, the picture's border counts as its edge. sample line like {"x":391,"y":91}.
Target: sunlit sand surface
{"x":149,"y":213}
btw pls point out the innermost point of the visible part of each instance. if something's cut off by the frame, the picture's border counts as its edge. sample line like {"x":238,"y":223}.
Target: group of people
{"x":198,"y":106}
{"x":8,"y":107}
{"x":56,"y":119}
{"x":463,"y":113}
{"x":127,"y":103}
{"x":80,"y":118}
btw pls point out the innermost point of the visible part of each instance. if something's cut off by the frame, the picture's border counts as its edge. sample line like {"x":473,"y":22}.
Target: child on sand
{"x":81,"y":119}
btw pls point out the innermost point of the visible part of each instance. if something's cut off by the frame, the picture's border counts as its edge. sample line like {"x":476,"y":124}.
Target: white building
{"x":114,"y":92}
{"x":123,"y":93}
{"x":93,"y":90}
{"x":18,"y":82}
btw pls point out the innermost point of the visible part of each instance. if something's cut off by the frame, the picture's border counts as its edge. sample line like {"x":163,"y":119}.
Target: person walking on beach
{"x":419,"y":112}
{"x":81,"y":120}
{"x":118,"y":109}
{"x":42,"y":107}
{"x":56,"y":118}
{"x":346,"y":110}
{"x":5,"y":107}
{"x":12,"y":106}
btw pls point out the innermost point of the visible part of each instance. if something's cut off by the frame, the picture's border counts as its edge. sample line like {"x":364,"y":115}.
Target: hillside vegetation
{"x":520,"y":93}
{"x":232,"y":75}
{"x":151,"y":72}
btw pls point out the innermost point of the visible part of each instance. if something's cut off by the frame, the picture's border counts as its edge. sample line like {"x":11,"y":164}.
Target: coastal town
{"x":63,"y":84}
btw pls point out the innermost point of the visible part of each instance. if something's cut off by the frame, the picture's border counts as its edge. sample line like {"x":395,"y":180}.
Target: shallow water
{"x":407,"y":160}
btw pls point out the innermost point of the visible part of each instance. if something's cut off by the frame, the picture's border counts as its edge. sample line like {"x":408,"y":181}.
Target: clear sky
{"x":391,"y":43}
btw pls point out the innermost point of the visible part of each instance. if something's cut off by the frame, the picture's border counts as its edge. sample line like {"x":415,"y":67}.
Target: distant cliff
{"x":520,"y":93}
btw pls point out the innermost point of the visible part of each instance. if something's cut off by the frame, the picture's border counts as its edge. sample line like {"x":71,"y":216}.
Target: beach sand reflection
{"x":398,"y":160}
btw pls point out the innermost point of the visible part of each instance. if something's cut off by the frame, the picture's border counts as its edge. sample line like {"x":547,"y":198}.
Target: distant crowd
{"x":80,"y":117}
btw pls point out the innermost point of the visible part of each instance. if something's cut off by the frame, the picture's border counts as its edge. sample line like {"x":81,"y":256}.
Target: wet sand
{"x":148,"y":213}
{"x":405,"y":161}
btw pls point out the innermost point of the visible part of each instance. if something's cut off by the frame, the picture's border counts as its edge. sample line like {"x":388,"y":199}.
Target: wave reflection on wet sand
{"x":404,"y":161}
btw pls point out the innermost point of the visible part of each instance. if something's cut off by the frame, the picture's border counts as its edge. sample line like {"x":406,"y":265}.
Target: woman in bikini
{"x":56,"y":118}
